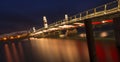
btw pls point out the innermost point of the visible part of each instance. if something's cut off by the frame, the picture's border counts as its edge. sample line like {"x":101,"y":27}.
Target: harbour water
{"x":56,"y":50}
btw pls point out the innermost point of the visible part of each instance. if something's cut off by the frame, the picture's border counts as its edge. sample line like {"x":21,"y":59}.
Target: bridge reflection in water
{"x":56,"y":50}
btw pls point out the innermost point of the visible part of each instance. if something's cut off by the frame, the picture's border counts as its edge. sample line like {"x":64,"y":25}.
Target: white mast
{"x":34,"y":30}
{"x":45,"y":22}
{"x":66,"y":17}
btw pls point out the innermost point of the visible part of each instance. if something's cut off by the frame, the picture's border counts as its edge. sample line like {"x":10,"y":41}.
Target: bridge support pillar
{"x":90,"y":40}
{"x":116,"y":22}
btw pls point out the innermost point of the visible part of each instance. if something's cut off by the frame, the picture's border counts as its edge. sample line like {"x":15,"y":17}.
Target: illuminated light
{"x":51,"y":29}
{"x":62,"y":36}
{"x":79,"y":24}
{"x":31,"y":38}
{"x":82,"y":35}
{"x":39,"y":32}
{"x":109,"y":20}
{"x":104,"y":34}
{"x":95,"y":23}
{"x":4,"y":38}
{"x":67,"y":26}
{"x":105,"y":21}
{"x":44,"y":30}
{"x":11,"y":37}
{"x":18,"y":36}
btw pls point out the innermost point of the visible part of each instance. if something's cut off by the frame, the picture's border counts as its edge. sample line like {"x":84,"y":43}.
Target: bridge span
{"x":99,"y":15}
{"x":109,"y":11}
{"x":89,"y":20}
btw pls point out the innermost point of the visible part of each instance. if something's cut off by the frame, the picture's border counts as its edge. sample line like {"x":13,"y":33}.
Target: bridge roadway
{"x":22,"y":34}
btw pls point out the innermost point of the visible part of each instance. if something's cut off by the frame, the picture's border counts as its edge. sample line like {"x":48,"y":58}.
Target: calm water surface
{"x":55,"y":50}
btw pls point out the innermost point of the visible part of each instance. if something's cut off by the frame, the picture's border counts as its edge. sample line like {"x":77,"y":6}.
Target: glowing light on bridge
{"x":82,"y":35}
{"x":103,"y":21}
{"x":52,"y":29}
{"x":96,"y":23}
{"x":79,"y":24}
{"x":11,"y":37}
{"x":4,"y":38}
{"x":104,"y":34}
{"x":18,"y":36}
{"x":38,"y":32}
{"x":62,"y":36}
{"x":67,"y":26}
{"x":44,"y":30}
{"x":107,"y":21}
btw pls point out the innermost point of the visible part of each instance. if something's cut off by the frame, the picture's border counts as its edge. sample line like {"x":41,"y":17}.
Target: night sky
{"x":17,"y":15}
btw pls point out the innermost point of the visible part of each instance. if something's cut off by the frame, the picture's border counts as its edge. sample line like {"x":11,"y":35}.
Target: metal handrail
{"x":95,"y":12}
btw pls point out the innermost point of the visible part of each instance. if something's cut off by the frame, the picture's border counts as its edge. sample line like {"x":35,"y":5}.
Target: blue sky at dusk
{"x":18,"y":15}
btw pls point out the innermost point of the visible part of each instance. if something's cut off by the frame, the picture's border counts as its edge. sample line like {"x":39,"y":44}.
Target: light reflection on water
{"x":14,"y":52}
{"x":57,"y":50}
{"x":8,"y":53}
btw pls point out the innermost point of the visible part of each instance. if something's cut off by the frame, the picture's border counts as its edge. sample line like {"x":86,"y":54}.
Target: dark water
{"x":56,"y":50}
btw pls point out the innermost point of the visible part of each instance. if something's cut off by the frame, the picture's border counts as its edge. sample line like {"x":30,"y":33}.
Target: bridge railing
{"x":105,"y":9}
{"x":98,"y":11}
{"x":95,"y":12}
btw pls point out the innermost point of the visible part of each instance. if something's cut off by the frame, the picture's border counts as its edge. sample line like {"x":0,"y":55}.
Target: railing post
{"x":45,"y":22}
{"x":70,"y":18}
{"x":94,"y":11}
{"x":56,"y":23}
{"x":66,"y":18}
{"x":80,"y":16}
{"x":60,"y":22}
{"x":86,"y":14}
{"x":34,"y":30}
{"x":118,"y":5}
{"x":105,"y":8}
{"x":75,"y":18}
